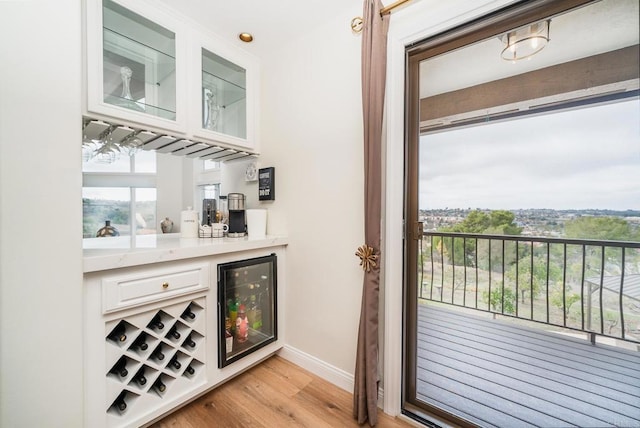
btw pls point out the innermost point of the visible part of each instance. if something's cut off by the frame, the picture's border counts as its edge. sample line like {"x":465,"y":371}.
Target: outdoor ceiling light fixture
{"x":524,"y":42}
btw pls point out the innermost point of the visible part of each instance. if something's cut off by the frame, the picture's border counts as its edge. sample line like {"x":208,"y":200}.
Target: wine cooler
{"x":246,"y":307}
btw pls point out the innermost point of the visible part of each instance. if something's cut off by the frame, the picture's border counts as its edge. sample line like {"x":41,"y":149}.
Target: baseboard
{"x":336,"y":376}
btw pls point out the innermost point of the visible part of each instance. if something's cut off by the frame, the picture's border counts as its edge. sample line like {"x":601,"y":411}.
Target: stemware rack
{"x":99,"y":135}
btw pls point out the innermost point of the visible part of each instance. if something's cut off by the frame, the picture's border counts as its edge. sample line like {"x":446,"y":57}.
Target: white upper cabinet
{"x":148,"y":67}
{"x":136,"y":64}
{"x":225,"y":83}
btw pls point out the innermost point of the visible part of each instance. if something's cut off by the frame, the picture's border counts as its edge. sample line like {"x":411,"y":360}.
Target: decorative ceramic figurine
{"x":166,"y":225}
{"x":107,"y":230}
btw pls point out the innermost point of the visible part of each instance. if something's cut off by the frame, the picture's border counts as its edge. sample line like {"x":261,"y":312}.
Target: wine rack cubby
{"x":152,"y":356}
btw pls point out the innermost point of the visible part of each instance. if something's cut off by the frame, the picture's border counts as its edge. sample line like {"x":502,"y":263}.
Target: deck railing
{"x":591,"y":286}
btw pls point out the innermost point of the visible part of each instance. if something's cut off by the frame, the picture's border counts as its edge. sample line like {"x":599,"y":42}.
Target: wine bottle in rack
{"x":141,"y":342}
{"x":189,"y":342}
{"x":157,"y":354}
{"x":118,"y":334}
{"x":174,"y":332}
{"x":175,"y":363}
{"x":120,"y":368}
{"x":188,"y":314}
{"x":159,"y":386}
{"x":156,"y":323}
{"x":139,"y":378}
{"x":120,"y":404}
{"x":190,"y":370}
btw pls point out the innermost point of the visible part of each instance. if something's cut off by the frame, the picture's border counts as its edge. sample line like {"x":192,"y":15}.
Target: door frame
{"x":444,"y":27}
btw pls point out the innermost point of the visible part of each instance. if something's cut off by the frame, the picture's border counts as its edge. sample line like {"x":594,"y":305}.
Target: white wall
{"x":40,"y":214}
{"x":311,"y":132}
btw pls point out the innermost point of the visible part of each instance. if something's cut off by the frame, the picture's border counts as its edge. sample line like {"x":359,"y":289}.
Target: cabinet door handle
{"x":165,"y":285}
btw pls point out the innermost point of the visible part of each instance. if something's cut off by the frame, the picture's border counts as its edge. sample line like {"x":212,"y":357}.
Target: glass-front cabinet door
{"x":135,"y":63}
{"x":226,"y":96}
{"x":247,"y":307}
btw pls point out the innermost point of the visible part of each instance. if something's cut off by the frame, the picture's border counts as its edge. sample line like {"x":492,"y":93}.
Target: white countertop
{"x":125,"y":251}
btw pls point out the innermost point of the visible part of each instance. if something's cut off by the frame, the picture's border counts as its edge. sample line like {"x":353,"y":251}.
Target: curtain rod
{"x":356,"y":23}
{"x":387,"y":9}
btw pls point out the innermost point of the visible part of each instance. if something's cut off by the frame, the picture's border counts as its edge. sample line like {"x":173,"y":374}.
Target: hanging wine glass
{"x":108,"y":150}
{"x":131,"y":144}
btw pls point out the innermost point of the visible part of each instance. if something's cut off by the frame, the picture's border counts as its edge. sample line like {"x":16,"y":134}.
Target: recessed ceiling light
{"x":245,"y":37}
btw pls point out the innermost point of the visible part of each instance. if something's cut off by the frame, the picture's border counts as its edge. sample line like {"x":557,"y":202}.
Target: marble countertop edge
{"x":113,"y":253}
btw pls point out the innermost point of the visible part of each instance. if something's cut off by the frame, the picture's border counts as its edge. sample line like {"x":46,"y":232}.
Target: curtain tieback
{"x":368,"y":258}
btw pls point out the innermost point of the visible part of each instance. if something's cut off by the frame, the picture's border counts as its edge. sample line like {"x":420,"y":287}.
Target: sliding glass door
{"x":522,"y":249}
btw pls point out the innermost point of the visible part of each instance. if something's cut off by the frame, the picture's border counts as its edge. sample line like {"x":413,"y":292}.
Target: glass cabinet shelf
{"x":224,"y":96}
{"x":139,"y":64}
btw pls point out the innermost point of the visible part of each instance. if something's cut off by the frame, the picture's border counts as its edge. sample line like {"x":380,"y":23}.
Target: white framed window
{"x":119,"y":188}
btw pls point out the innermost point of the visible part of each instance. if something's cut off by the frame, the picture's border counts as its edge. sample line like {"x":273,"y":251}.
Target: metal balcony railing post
{"x":548,"y":269}
{"x":601,"y":289}
{"x":621,"y":293}
{"x":432,"y":269}
{"x":584,"y":262}
{"x":464,"y":260}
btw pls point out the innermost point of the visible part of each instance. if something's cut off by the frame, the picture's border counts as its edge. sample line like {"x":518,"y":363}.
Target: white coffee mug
{"x":218,"y":230}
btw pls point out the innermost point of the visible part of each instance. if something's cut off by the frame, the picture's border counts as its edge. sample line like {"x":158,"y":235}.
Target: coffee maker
{"x":237,"y":219}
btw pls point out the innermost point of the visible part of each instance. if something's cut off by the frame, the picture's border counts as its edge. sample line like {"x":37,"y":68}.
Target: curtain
{"x":374,"y":63}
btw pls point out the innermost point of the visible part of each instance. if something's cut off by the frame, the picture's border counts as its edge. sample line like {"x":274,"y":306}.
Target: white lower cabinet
{"x":151,"y":339}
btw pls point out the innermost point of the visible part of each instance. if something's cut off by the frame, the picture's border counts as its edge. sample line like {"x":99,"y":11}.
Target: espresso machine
{"x":237,"y":218}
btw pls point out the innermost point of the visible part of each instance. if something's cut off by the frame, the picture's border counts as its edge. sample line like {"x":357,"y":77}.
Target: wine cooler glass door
{"x":246,"y":307}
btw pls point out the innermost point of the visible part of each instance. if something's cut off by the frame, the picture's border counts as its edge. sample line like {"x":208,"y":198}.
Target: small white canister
{"x":189,"y":223}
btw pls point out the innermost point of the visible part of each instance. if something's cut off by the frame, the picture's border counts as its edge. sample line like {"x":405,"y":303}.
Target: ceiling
{"x":271,"y":23}
{"x":596,"y":28}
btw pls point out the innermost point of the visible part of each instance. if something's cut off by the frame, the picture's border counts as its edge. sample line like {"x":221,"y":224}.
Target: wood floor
{"x":276,"y":393}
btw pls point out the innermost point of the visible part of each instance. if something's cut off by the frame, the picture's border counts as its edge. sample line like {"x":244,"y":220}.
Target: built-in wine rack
{"x":154,"y":356}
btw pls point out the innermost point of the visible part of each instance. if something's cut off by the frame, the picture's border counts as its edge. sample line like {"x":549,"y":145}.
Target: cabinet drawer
{"x":151,"y":285}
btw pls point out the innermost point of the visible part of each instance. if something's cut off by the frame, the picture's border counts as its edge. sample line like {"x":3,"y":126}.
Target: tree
{"x":502,"y":223}
{"x":495,"y":300}
{"x":606,"y":228}
{"x":527,"y":284}
{"x":601,"y":228}
{"x":499,"y":222}
{"x":558,"y":301}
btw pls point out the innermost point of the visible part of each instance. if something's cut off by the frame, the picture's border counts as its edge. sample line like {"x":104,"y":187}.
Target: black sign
{"x":267,"y":184}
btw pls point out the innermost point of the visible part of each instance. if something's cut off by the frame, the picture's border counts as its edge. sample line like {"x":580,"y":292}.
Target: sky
{"x":579,"y":159}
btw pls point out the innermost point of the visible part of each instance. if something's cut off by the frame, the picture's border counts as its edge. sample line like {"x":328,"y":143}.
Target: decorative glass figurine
{"x":127,"y":100}
{"x":213,"y":109}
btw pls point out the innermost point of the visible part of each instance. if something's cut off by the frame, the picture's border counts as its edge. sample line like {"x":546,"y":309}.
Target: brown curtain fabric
{"x":374,"y":64}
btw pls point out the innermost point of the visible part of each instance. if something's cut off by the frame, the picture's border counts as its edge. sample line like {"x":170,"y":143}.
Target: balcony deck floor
{"x":497,"y":374}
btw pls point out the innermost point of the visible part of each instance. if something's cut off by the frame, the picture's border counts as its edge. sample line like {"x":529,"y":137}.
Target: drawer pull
{"x":165,"y":285}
